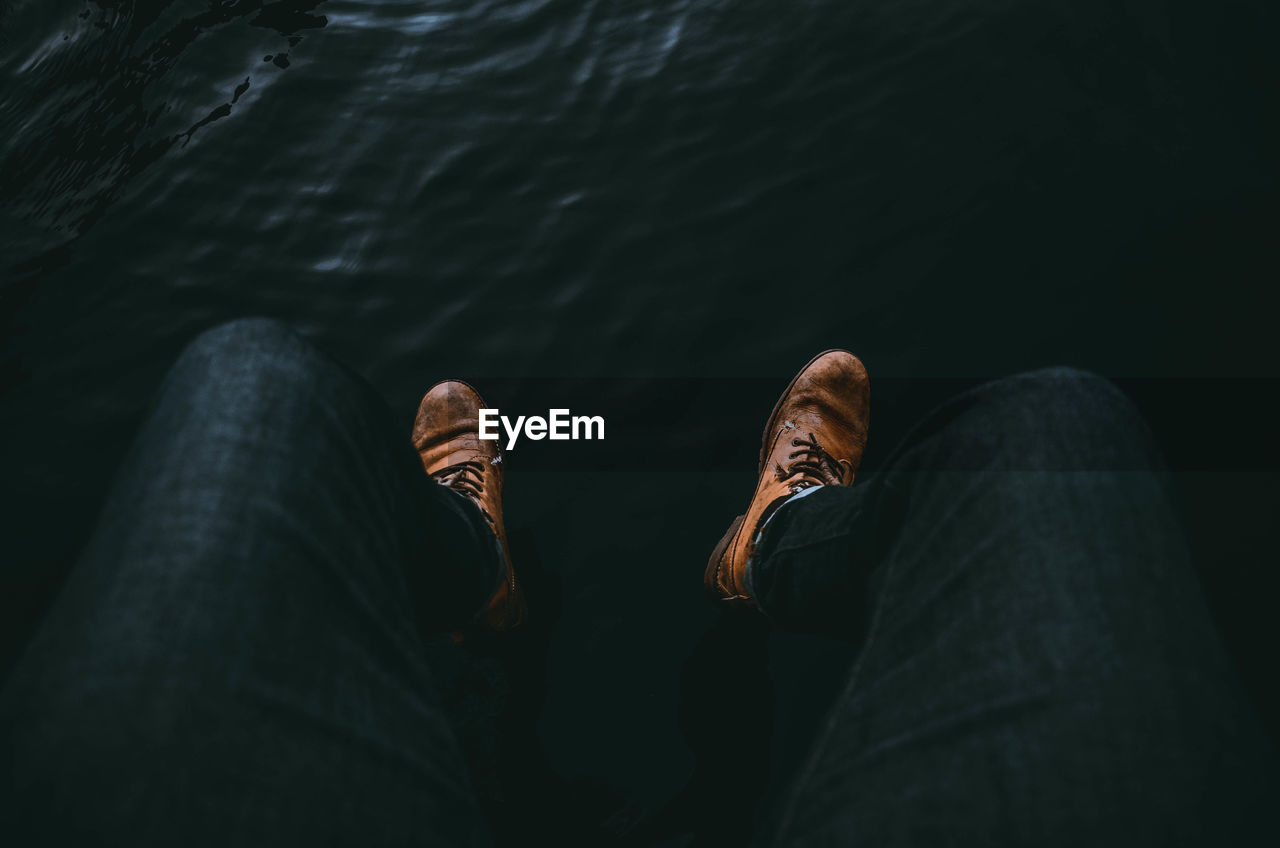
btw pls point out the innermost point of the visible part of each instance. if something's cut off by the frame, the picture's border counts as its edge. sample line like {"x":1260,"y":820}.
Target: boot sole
{"x":713,"y":564}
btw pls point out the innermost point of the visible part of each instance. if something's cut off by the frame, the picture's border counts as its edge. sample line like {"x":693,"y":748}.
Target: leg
{"x":238,"y":657}
{"x":1038,"y":665}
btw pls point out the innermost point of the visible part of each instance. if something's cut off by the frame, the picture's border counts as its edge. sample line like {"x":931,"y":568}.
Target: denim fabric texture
{"x":1037,"y":666}
{"x":239,"y":657}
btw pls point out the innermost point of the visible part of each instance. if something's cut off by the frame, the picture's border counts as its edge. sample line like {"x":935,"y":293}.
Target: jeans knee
{"x":1082,"y":420}
{"x":1050,"y":419}
{"x":241,"y":336}
{"x":246,"y":357}
{"x":1058,"y":389}
{"x":1071,"y":397}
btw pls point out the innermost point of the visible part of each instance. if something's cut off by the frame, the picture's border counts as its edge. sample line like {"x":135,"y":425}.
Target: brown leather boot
{"x":447,"y":436}
{"x":814,"y":437}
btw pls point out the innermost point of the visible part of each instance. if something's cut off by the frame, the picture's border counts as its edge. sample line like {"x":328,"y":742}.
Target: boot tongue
{"x":797,"y":479}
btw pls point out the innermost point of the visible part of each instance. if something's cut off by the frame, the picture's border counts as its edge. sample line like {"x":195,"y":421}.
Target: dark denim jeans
{"x":246,"y":652}
{"x":239,"y":657}
{"x":1038,"y":666}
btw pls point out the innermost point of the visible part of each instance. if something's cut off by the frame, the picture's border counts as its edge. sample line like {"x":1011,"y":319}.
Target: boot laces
{"x":811,"y":463}
{"x":466,"y":478}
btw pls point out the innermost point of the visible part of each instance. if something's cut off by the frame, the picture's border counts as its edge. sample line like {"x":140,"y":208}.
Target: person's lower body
{"x":242,"y":655}
{"x":244,"y":652}
{"x":1037,"y":665}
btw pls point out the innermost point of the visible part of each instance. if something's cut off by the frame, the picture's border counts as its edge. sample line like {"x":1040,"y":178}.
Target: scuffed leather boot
{"x":447,"y":436}
{"x":814,"y":437}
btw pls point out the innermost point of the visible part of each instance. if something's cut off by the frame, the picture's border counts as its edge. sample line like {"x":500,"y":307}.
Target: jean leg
{"x":1038,"y":665}
{"x":238,"y":657}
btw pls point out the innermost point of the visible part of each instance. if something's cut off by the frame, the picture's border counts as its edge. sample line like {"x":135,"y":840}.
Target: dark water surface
{"x":617,"y":203}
